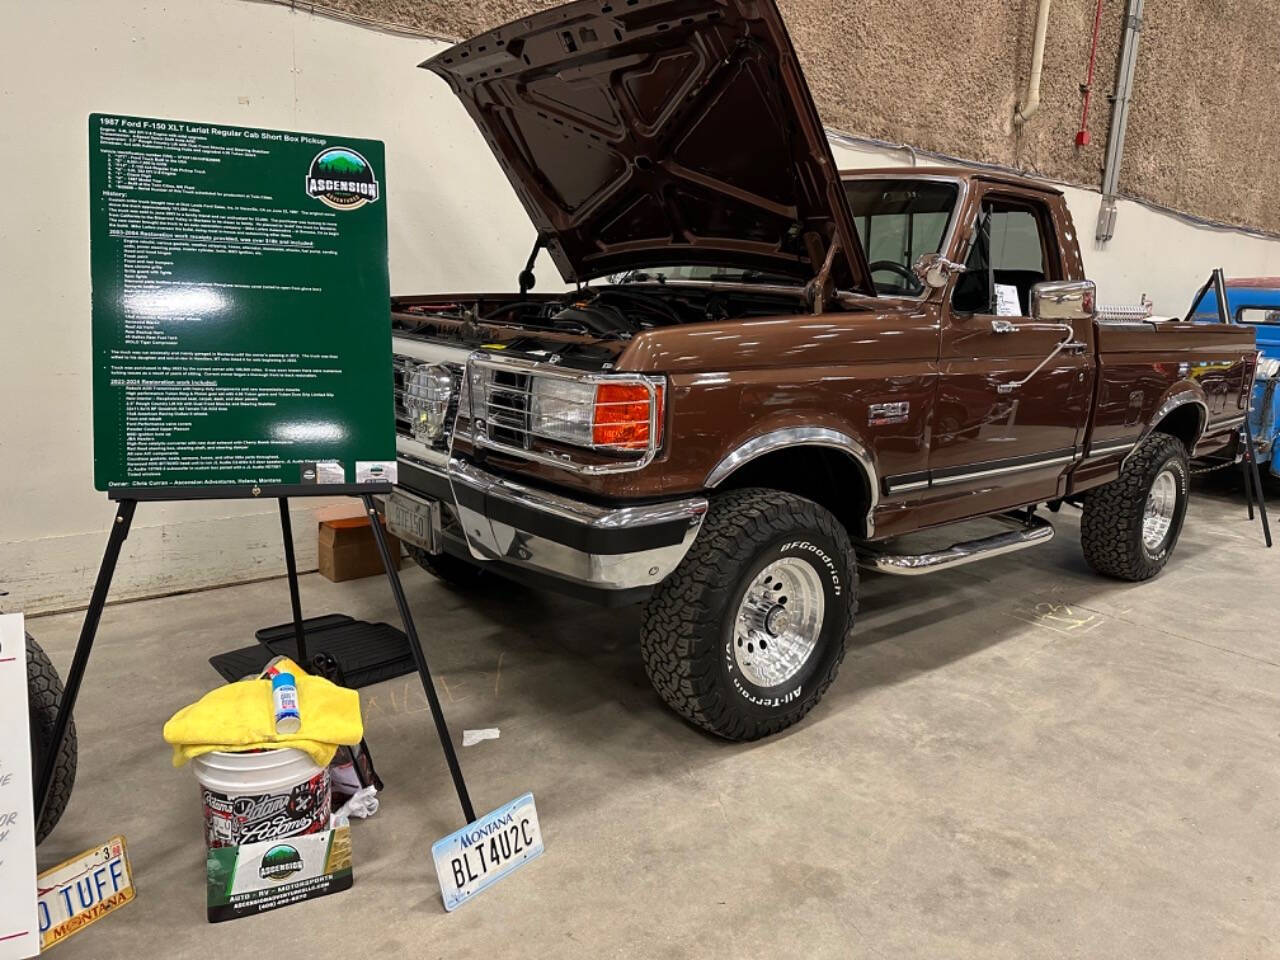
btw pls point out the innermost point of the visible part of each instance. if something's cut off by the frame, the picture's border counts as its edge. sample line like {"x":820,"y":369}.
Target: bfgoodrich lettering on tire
{"x":1131,"y":525}
{"x":746,"y":635}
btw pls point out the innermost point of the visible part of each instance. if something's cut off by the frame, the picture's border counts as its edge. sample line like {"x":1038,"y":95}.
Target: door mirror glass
{"x":1063,"y":301}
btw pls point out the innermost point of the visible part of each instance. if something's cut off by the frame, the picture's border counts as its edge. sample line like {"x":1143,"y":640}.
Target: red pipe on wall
{"x":1082,"y":135}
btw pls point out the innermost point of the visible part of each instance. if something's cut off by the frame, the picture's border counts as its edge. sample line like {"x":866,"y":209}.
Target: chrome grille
{"x":500,"y":393}
{"x":401,"y":367}
{"x":506,"y":405}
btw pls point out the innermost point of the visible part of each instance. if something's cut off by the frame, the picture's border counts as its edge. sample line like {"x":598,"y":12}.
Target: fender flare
{"x":782,"y":439}
{"x":1190,"y":393}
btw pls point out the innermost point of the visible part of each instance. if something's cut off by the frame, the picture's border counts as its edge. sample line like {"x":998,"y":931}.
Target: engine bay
{"x":613,"y":312}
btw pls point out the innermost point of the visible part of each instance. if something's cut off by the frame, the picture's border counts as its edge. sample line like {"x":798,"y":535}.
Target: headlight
{"x":563,"y":410}
{"x":607,"y":415}
{"x":514,"y":407}
{"x":1268,"y":367}
{"x":427,"y":392}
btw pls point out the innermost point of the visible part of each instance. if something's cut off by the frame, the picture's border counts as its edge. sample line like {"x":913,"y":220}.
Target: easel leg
{"x":291,"y":565}
{"x":1253,"y":481}
{"x":1248,"y":483}
{"x":419,"y":658}
{"x":71,"y":688}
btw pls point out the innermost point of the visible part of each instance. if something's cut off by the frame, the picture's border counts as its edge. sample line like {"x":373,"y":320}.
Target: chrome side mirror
{"x":1063,"y":301}
{"x":933,"y":269}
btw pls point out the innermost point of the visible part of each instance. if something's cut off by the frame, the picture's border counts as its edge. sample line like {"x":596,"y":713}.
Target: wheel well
{"x":826,"y":476}
{"x":1184,"y":423}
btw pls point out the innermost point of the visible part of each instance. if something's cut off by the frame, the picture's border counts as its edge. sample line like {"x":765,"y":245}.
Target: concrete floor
{"x":1018,"y":760}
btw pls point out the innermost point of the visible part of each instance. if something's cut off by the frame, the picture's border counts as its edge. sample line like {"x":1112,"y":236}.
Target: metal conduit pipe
{"x":1119,"y":121}
{"x":1031,"y":102}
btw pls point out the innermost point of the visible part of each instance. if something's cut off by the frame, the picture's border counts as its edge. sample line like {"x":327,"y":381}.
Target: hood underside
{"x":641,"y":133}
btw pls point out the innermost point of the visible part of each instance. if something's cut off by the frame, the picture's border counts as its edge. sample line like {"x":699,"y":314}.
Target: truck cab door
{"x":1013,"y":390}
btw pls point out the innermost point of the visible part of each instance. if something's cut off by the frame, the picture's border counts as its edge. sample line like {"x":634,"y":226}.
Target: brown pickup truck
{"x":768,"y":369}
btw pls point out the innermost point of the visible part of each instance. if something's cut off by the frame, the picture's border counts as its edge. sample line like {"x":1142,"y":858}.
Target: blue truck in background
{"x":1256,"y":301}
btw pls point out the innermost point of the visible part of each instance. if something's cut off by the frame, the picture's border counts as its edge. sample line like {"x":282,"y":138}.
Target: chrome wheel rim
{"x":779,"y":621}
{"x":1157,"y":516}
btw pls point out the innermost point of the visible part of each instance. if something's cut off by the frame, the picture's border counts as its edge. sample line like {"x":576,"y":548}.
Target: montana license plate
{"x":86,"y":888}
{"x":485,"y":851}
{"x":414,"y":520}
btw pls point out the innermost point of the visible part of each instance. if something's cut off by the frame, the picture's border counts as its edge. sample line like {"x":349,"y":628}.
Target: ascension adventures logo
{"x":280,"y":862}
{"x":342,"y":179}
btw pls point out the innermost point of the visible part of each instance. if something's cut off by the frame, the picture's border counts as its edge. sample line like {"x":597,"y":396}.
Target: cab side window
{"x":1009,"y":255}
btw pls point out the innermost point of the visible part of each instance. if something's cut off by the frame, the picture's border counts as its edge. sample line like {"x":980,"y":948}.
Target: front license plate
{"x":480,"y":853}
{"x":414,"y":520}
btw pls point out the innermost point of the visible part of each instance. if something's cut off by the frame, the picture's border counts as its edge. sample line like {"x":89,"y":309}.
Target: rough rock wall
{"x":1204,"y":128}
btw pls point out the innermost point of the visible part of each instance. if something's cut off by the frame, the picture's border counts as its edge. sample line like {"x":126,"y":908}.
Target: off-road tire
{"x":687,"y":629}
{"x":1111,"y":526}
{"x":452,"y":570}
{"x":44,"y":693}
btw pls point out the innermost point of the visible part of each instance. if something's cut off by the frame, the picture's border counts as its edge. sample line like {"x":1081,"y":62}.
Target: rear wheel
{"x":44,"y":694}
{"x":452,"y":570}
{"x":1131,"y":525}
{"x":746,"y":635}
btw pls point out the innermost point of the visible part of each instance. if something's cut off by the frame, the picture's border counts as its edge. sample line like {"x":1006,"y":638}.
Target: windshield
{"x":899,"y":220}
{"x":1251,"y":305}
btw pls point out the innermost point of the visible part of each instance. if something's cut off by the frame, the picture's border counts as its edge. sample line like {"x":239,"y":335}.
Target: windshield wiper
{"x":639,"y":276}
{"x":748,"y":276}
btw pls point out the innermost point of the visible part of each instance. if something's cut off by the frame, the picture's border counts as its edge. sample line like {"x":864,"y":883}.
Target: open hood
{"x":639,"y":133}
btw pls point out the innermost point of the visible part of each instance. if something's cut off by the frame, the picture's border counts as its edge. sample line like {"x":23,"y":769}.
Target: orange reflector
{"x":621,"y":417}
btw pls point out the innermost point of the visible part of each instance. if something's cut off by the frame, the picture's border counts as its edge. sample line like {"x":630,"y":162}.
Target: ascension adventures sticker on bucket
{"x":258,"y":877}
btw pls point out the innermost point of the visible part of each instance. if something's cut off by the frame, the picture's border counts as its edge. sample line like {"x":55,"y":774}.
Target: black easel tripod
{"x":128,"y":502}
{"x":1249,"y":462}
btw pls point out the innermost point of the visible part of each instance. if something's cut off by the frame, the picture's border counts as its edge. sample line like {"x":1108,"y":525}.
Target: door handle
{"x":1008,"y":326}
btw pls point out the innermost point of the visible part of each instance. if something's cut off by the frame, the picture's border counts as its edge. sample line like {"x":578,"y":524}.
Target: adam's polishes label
{"x":236,"y":820}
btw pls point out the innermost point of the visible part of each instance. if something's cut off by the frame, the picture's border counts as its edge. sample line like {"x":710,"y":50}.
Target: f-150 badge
{"x":880,"y":414}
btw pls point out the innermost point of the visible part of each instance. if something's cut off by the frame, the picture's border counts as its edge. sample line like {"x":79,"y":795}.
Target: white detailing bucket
{"x":261,"y":795}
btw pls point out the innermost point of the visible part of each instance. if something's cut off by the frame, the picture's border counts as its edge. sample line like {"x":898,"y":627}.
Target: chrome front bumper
{"x":603,"y":548}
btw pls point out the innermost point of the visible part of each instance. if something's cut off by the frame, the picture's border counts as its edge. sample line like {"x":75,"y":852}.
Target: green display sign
{"x":241,"y":321}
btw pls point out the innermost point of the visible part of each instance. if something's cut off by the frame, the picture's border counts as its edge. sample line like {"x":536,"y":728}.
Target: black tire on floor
{"x":44,"y":693}
{"x":452,"y":570}
{"x":688,"y":631}
{"x":1111,"y":528}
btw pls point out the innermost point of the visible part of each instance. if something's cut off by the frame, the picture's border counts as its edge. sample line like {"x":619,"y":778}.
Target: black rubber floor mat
{"x":284,"y":631}
{"x":368,"y":652}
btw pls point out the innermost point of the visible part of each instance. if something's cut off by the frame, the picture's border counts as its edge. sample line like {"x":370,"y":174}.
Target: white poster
{"x":19,"y":930}
{"x":1007,"y":304}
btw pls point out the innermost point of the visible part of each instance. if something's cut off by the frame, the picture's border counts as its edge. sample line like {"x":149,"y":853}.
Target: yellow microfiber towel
{"x":241,"y":716}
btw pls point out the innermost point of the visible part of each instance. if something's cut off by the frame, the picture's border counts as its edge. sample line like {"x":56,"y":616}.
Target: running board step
{"x":1029,"y":533}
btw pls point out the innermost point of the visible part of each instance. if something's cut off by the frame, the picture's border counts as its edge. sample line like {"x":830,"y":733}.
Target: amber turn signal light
{"x":622,"y":416}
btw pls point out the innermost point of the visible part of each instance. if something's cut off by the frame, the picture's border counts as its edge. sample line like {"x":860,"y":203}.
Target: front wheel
{"x":748,"y":632}
{"x":1131,"y":525}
